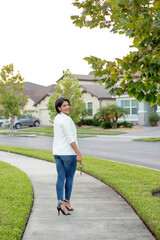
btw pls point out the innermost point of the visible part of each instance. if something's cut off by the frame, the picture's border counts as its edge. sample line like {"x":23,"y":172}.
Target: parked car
{"x":3,"y":120}
{"x":27,"y":120}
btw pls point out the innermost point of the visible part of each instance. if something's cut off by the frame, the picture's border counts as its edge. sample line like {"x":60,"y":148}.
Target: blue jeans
{"x":66,"y":166}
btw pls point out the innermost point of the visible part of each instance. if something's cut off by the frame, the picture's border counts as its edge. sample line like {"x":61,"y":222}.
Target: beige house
{"x":37,"y":101}
{"x":94,"y":95}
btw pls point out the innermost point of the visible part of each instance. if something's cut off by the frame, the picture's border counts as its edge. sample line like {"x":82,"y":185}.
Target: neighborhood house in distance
{"x":94,"y":95}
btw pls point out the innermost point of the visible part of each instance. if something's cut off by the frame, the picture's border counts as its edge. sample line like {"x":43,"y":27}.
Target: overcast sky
{"x":39,"y":38}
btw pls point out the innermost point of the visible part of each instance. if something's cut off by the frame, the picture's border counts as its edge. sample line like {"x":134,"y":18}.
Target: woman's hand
{"x":75,"y":148}
{"x":79,"y":158}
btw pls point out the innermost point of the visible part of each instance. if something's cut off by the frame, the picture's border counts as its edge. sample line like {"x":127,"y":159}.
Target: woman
{"x":66,"y":154}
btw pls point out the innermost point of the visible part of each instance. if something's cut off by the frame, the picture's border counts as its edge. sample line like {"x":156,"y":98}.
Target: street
{"x":119,"y":148}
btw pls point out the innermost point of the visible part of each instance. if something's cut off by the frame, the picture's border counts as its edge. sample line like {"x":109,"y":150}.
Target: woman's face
{"x":65,"y":107}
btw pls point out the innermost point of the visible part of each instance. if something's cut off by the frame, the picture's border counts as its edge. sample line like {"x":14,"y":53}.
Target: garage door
{"x":44,"y":117}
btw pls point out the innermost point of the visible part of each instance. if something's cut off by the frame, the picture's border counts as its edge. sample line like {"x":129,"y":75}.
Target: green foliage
{"x":101,"y":116}
{"x":139,"y":20}
{"x":125,"y":124}
{"x":135,"y":184}
{"x":152,"y":139}
{"x":69,"y":88}
{"x":11,"y":103}
{"x":90,"y":122}
{"x":153,"y":118}
{"x":110,"y":114}
{"x":16,"y":197}
{"x":85,"y":112}
{"x":114,"y":112}
{"x":106,"y":125}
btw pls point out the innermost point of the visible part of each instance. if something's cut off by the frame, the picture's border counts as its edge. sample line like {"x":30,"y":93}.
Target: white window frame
{"x":90,"y":108}
{"x":131,"y":107}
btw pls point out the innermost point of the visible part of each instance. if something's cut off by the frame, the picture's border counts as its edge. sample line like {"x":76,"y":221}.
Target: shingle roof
{"x":37,"y":92}
{"x":41,"y":93}
{"x":82,"y":77}
{"x":98,"y":91}
{"x":32,"y":86}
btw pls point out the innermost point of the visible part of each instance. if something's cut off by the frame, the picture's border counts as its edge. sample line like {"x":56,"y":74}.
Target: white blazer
{"x":65,"y":133}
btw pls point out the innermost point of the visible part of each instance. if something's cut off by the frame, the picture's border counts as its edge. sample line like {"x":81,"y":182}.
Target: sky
{"x":39,"y":38}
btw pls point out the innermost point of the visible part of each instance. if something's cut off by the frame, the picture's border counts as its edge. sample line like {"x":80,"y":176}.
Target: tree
{"x":11,"y":103}
{"x":101,"y":116}
{"x":110,"y":114}
{"x":69,"y":88}
{"x":139,"y":20}
{"x":114,"y":112}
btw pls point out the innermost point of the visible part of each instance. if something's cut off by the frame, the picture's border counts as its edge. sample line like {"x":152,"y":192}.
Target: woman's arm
{"x":75,"y":148}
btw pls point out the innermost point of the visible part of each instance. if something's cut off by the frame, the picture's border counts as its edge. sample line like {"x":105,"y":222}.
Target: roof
{"x":82,"y":77}
{"x":32,"y":86}
{"x":41,"y":93}
{"x":37,"y":92}
{"x":98,"y":91}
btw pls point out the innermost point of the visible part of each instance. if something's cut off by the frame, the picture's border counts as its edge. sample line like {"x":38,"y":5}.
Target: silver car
{"x":3,"y":120}
{"x":27,"y":120}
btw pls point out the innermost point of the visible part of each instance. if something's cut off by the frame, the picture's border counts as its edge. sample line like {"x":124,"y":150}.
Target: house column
{"x":142,"y":114}
{"x":158,"y":111}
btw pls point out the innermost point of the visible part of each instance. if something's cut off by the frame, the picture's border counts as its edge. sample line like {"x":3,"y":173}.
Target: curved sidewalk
{"x":99,"y":212}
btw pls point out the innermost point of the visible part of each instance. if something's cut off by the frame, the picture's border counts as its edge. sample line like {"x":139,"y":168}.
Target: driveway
{"x":119,"y":148}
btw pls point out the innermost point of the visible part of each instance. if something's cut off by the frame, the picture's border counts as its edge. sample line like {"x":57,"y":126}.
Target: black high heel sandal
{"x":71,"y":209}
{"x":59,"y":209}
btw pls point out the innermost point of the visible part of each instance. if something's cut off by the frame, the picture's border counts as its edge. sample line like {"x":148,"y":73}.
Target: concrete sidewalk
{"x":99,"y":212}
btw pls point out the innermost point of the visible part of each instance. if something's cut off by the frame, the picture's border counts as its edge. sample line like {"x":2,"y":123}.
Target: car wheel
{"x":18,"y":126}
{"x":36,"y":123}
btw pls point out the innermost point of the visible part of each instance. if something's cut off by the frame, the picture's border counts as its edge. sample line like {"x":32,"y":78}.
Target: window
{"x":90,"y":107}
{"x":130,"y":106}
{"x":127,"y":105}
{"x":134,"y":107}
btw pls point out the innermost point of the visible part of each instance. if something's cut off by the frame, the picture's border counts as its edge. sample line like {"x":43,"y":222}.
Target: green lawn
{"x":135,"y":184}
{"x":81,"y":131}
{"x":16,"y":195}
{"x":97,"y":131}
{"x":48,"y":129}
{"x":151,"y":139}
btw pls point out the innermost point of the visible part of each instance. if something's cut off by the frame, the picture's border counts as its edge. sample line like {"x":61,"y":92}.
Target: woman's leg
{"x":70,"y":164}
{"x":60,"y":178}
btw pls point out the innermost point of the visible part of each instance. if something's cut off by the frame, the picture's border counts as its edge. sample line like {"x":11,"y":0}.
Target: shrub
{"x":90,"y":122}
{"x":125,"y":124}
{"x":106,"y":125}
{"x":87,"y":121}
{"x":153,"y":118}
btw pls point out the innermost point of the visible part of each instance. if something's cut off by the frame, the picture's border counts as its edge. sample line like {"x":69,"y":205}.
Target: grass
{"x":48,"y":129}
{"x":15,"y":201}
{"x":42,"y":134}
{"x":135,"y":184}
{"x":81,"y":132}
{"x":151,"y":139}
{"x":97,"y":131}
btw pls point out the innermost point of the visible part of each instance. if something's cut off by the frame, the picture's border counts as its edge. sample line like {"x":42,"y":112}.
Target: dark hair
{"x":59,"y":103}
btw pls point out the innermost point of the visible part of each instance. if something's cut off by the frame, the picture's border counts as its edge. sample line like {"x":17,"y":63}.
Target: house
{"x":93,"y":94}
{"x":37,"y":101}
{"x":83,"y":79}
{"x":138,"y":111}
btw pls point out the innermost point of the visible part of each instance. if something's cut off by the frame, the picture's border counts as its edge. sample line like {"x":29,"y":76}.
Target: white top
{"x":64,"y":134}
